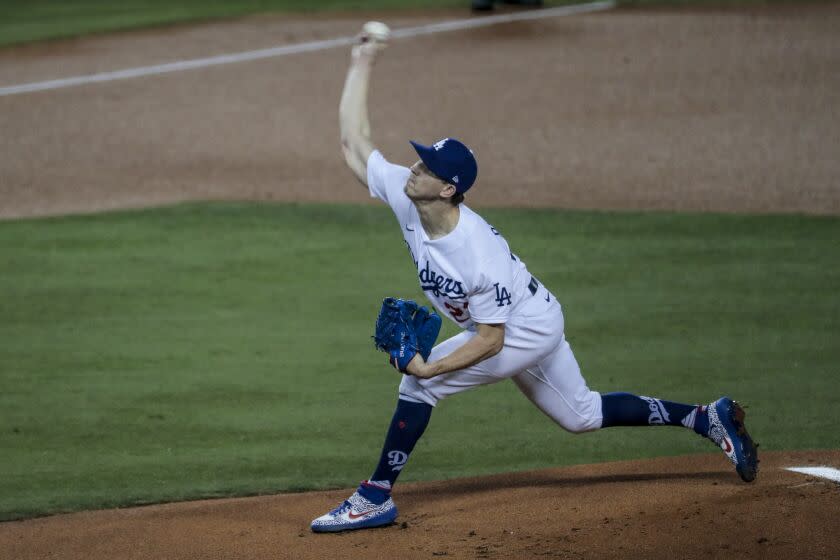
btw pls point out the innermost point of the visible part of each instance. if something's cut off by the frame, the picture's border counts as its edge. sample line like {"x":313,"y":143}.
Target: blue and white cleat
{"x":356,"y":512}
{"x":726,"y":429}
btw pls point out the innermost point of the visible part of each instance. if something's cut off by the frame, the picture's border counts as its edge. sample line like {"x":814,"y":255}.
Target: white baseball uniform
{"x":471,"y":276}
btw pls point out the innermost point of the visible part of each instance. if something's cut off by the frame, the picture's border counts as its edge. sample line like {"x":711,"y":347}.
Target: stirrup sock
{"x":624,"y":409}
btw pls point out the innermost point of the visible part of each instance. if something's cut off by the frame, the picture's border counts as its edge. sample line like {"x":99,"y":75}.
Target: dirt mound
{"x":683,"y":507}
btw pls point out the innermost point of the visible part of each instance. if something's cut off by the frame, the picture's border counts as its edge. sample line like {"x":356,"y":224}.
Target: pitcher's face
{"x":422,"y":184}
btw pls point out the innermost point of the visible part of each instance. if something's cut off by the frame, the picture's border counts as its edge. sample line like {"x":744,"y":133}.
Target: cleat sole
{"x":749,"y":469}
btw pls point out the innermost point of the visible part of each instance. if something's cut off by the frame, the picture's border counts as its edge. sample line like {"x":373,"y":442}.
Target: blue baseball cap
{"x":451,"y":161}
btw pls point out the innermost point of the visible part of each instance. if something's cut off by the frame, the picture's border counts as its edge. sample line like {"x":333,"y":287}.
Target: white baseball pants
{"x":536,"y":356}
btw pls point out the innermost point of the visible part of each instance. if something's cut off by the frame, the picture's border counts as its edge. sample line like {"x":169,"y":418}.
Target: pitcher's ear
{"x":448,"y":190}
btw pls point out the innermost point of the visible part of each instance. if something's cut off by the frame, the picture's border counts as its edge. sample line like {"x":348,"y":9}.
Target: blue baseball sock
{"x":408,"y":424}
{"x":624,"y":409}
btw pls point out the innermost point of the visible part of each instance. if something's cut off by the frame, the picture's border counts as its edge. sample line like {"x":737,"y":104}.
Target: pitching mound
{"x":683,"y":507}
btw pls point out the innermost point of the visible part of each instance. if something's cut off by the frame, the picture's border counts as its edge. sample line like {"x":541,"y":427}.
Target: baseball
{"x":377,"y":31}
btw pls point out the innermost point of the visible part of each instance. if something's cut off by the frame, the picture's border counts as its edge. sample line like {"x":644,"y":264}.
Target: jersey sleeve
{"x":386,"y":181}
{"x":491,"y":300}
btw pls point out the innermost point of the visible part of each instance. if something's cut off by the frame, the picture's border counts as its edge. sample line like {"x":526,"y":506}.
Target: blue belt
{"x":533,"y":285}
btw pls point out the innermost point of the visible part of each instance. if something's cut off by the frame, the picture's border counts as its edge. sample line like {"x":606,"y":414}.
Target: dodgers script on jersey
{"x":470,"y":274}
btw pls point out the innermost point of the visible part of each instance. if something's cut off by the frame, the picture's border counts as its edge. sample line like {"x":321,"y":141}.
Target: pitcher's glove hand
{"x":403,"y":330}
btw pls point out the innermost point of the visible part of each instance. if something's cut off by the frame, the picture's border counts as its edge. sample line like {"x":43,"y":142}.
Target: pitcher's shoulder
{"x":475,"y":224}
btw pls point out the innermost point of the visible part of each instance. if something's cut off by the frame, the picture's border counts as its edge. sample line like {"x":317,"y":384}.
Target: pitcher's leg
{"x":557,"y":388}
{"x":407,"y":426}
{"x":510,"y":361}
{"x":624,"y":409}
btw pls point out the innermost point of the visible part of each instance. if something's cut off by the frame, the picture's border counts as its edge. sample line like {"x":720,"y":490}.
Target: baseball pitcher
{"x":512,"y":323}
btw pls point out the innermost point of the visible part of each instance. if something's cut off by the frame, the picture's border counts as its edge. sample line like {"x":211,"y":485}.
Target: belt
{"x":533,"y":285}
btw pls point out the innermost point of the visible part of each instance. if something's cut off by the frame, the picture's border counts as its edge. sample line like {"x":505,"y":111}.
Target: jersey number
{"x":457,"y":312}
{"x":502,"y":296}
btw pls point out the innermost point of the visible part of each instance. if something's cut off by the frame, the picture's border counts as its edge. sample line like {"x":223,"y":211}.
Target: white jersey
{"x":470,"y":274}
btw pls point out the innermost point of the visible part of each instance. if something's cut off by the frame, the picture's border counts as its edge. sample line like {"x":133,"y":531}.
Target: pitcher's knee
{"x":582,"y":425}
{"x":585,"y":416}
{"x":412,"y":389}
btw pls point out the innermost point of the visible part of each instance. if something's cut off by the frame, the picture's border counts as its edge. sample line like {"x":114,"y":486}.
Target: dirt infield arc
{"x":683,"y":507}
{"x":733,"y":110}
{"x":724,"y":110}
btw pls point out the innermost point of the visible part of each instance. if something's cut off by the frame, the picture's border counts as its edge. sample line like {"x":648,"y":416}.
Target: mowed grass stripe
{"x":32,"y":20}
{"x":23,"y":21}
{"x":224,"y":349}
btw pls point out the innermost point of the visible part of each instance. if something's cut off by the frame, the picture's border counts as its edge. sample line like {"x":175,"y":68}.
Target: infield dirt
{"x":723,"y":110}
{"x":671,"y":507}
{"x":733,"y":110}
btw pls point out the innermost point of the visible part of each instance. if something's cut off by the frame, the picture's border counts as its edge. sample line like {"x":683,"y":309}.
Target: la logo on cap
{"x":449,"y":160}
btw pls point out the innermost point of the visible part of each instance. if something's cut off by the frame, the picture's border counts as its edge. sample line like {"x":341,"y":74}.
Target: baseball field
{"x":190,"y":276}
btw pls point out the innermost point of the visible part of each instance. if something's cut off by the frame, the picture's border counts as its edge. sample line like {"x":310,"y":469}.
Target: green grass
{"x":715,"y":3}
{"x":37,"y":20}
{"x":218,"y":349}
{"x":31,"y":20}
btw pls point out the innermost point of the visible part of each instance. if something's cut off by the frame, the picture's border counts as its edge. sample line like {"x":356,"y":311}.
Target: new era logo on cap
{"x":451,"y":161}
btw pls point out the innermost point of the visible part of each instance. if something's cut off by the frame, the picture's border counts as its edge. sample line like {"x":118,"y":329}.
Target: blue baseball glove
{"x":403,"y":330}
